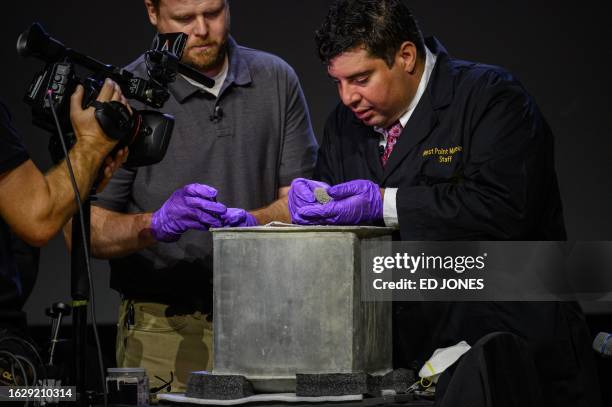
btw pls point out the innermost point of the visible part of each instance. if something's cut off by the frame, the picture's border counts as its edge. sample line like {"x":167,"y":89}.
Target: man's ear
{"x":151,"y":11}
{"x":407,"y":56}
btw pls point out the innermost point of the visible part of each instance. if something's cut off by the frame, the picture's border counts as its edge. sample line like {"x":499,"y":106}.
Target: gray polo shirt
{"x":263,"y":141}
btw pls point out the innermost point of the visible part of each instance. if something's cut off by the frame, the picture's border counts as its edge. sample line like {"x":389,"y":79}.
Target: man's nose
{"x":348,"y":95}
{"x":200,"y":27}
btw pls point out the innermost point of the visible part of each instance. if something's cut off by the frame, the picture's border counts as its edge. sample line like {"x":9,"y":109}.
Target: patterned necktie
{"x":393,"y":134}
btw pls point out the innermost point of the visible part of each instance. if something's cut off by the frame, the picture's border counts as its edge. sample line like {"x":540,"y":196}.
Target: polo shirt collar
{"x":238,"y":73}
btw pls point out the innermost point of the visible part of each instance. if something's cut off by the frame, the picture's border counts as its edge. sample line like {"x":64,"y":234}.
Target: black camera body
{"x":146,"y":132}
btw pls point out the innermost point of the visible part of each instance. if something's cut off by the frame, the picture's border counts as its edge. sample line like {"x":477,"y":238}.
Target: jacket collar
{"x":440,"y":86}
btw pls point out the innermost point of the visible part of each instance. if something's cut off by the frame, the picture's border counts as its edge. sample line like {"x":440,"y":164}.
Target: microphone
{"x":381,"y":150}
{"x":217,"y":114}
{"x":603,"y":344}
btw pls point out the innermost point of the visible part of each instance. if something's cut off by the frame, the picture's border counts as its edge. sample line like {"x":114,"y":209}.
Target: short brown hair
{"x":156,"y":3}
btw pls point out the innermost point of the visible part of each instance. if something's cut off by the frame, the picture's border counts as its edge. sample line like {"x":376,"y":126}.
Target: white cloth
{"x":442,"y":359}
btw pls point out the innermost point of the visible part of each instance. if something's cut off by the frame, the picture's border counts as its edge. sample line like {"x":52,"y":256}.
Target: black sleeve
{"x":509,"y":170}
{"x":12,"y":151}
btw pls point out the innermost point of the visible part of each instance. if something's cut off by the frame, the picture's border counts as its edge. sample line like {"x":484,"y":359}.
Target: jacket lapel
{"x":438,"y":94}
{"x":420,"y":125}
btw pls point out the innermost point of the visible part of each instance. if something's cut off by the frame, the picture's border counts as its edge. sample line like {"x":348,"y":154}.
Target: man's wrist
{"x":276,"y":211}
{"x":261,"y":216}
{"x":98,"y":147}
{"x":93,"y":150}
{"x":145,"y":229}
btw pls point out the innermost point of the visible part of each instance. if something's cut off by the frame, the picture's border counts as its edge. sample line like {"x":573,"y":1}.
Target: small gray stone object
{"x":203,"y":385}
{"x":322,"y":195}
{"x":331,"y":384}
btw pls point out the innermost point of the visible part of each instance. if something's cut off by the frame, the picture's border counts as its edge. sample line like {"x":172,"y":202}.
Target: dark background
{"x":560,"y":51}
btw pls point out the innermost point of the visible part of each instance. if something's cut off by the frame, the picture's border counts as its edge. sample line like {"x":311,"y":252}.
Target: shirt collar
{"x":430,"y":63}
{"x":238,"y":73}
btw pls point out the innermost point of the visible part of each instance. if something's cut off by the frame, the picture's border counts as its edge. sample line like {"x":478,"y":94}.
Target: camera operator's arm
{"x":37,"y":206}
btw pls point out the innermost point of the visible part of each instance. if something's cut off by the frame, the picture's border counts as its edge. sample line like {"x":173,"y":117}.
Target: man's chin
{"x":201,"y":64}
{"x":372,"y":121}
{"x":204,"y":63}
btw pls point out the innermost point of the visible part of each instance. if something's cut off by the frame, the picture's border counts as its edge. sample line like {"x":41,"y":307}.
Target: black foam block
{"x":331,"y":384}
{"x":203,"y":385}
{"x":399,"y":380}
{"x":374,"y":385}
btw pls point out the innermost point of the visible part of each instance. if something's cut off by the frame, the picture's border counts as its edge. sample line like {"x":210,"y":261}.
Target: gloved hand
{"x":238,"y":218}
{"x":302,"y":194}
{"x":190,"y":207}
{"x":352,"y":203}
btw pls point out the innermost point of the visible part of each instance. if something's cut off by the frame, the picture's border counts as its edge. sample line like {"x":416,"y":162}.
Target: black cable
{"x":24,"y":341}
{"x":23,"y":372}
{"x":18,"y":359}
{"x":31,"y":365}
{"x":85,"y":248}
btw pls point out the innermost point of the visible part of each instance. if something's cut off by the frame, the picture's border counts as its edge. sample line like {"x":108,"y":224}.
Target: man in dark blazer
{"x":445,"y":150}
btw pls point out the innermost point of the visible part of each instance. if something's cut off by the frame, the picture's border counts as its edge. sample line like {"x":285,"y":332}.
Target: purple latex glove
{"x":353,"y":203}
{"x":190,"y":207}
{"x":238,"y":218}
{"x":302,"y":194}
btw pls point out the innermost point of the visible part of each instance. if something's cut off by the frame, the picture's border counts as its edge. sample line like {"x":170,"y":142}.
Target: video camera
{"x":146,"y":132}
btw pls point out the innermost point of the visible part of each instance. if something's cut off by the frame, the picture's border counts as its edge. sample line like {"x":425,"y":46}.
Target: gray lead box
{"x":287,"y":300}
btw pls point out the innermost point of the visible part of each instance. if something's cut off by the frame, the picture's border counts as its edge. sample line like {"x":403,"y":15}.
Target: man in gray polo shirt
{"x":249,"y":137}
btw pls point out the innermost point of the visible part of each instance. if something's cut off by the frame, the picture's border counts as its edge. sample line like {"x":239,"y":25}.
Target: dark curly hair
{"x":380,"y":26}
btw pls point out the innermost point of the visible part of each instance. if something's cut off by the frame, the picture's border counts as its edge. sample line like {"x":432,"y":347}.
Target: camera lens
{"x":22,"y":44}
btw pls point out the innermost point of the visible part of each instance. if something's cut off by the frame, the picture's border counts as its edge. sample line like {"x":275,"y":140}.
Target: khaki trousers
{"x":163,"y":340}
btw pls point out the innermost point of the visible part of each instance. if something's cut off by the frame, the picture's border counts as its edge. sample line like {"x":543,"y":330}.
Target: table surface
{"x":398,"y":400}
